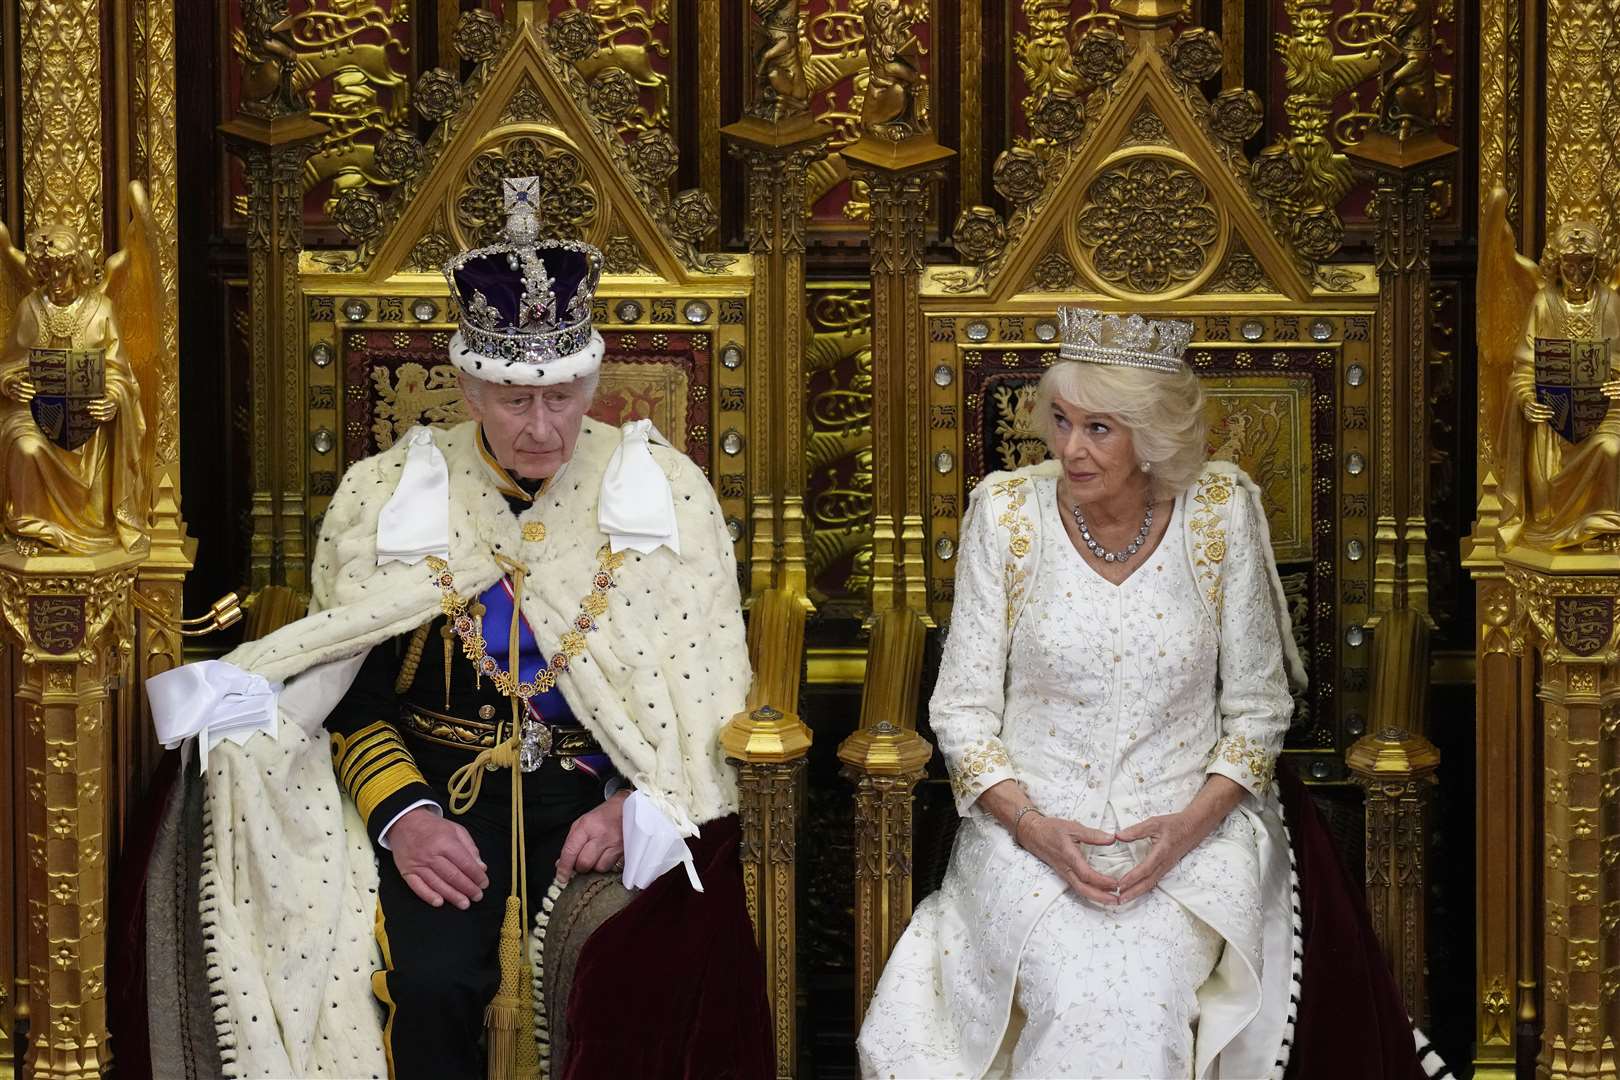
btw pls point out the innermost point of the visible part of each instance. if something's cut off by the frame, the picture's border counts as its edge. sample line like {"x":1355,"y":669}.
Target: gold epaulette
{"x":373,"y":764}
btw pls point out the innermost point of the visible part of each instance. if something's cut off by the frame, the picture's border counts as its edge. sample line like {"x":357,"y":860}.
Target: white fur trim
{"x":516,"y":373}
{"x":1296,"y":969}
{"x":289,"y":876}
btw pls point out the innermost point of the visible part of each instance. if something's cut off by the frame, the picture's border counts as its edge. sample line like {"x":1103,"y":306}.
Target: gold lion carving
{"x":780,"y":87}
{"x":896,"y":104}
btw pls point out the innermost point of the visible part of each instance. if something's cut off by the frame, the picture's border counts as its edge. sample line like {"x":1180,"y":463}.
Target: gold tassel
{"x":503,"y":1016}
{"x":449,"y":634}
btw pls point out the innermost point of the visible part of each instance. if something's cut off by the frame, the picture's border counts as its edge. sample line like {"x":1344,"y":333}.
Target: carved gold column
{"x":1567,"y":619}
{"x":151,"y":58}
{"x":1403,"y":169}
{"x":1396,"y":769}
{"x":1505,"y":840}
{"x":1505,"y":800}
{"x":778,"y":141}
{"x":1582,"y":114}
{"x":767,"y":745}
{"x":899,"y":160}
{"x":68,"y":615}
{"x":1510,"y":127}
{"x":884,"y":759}
{"x":1507,"y":793}
{"x":61,"y":108}
{"x":273,"y":149}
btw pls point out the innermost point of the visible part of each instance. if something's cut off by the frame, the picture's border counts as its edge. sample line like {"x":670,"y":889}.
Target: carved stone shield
{"x":1584,"y":623}
{"x":56,"y":623}
{"x":65,"y":382}
{"x":1569,"y":375}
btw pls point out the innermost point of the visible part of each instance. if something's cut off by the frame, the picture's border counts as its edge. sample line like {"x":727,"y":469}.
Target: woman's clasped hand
{"x":1061,"y":845}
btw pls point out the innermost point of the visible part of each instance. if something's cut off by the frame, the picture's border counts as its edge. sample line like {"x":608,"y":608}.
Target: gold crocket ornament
{"x":1549,"y":346}
{"x":78,"y":382}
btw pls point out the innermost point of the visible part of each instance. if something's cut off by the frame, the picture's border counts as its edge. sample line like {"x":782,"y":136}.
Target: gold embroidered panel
{"x":1287,"y":399}
{"x":838,"y":446}
{"x":405,"y":393}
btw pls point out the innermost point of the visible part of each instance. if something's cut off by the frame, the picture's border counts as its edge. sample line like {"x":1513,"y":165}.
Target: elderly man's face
{"x":531,"y":429}
{"x":1097,"y":453}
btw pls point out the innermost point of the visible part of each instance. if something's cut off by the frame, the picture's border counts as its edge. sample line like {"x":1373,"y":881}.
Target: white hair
{"x":1164,"y":414}
{"x":474,"y":387}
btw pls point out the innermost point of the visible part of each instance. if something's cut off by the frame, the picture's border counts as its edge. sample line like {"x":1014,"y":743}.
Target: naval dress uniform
{"x":418,"y":712}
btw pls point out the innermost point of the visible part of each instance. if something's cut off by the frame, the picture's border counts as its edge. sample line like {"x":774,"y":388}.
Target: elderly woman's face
{"x":1096,"y":451}
{"x":531,"y":429}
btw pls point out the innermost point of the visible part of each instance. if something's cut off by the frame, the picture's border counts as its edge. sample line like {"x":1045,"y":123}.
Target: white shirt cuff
{"x":382,"y":837}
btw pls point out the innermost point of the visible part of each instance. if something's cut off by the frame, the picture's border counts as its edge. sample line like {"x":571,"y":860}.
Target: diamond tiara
{"x":1133,"y":341}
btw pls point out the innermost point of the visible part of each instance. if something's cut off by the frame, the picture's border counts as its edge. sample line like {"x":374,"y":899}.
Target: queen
{"x":1112,"y":701}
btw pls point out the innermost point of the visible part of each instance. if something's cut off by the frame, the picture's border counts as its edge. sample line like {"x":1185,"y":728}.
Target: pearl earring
{"x":1146,"y":466}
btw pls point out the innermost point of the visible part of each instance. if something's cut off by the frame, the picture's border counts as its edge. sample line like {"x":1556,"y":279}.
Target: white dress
{"x":1110,"y":704}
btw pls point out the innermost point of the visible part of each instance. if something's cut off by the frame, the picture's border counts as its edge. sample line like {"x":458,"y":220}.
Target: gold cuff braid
{"x":372,"y":764}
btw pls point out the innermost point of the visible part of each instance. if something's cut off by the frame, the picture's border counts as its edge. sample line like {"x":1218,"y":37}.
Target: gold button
{"x":534,"y":531}
{"x":486,"y":712}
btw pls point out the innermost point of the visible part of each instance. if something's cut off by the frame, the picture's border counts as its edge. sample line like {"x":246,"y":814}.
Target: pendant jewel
{"x":1103,"y":553}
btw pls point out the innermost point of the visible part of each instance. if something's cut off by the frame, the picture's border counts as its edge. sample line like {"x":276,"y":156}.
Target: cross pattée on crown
{"x":520,"y":197}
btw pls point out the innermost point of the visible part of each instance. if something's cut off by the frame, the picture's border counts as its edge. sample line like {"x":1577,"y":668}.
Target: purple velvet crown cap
{"x":501,"y":283}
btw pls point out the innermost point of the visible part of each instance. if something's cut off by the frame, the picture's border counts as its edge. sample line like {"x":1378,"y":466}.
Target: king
{"x":524,"y":641}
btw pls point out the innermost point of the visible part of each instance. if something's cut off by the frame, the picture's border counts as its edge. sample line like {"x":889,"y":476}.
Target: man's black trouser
{"x":439,"y":963}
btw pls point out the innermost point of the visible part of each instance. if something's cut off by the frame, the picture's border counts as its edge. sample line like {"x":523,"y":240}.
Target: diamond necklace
{"x":1113,"y":556}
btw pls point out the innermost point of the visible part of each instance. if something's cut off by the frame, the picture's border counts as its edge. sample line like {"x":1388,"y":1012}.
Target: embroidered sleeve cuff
{"x":378,"y":772}
{"x":1248,"y":762}
{"x":977,"y":768}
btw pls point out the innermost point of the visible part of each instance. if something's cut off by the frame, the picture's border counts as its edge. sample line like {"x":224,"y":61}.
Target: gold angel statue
{"x":78,"y":381}
{"x":1549,"y":339}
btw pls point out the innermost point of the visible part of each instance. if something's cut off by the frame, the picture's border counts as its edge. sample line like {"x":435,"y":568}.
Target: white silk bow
{"x":415,"y":522}
{"x":637,"y":506}
{"x":213,"y":700}
{"x":653,"y":844}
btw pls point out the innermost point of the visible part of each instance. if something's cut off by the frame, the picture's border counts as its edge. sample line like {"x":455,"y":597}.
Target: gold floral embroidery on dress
{"x":572,"y":643}
{"x":1254,"y":758}
{"x":1020,"y":534}
{"x":977,"y":760}
{"x":1209,"y":532}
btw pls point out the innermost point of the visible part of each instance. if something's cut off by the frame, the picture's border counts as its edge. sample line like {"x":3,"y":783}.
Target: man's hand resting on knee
{"x":438,"y":859}
{"x":596,"y":840}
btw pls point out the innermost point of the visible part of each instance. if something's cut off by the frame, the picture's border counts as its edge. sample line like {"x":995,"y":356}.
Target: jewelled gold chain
{"x":470,"y":630}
